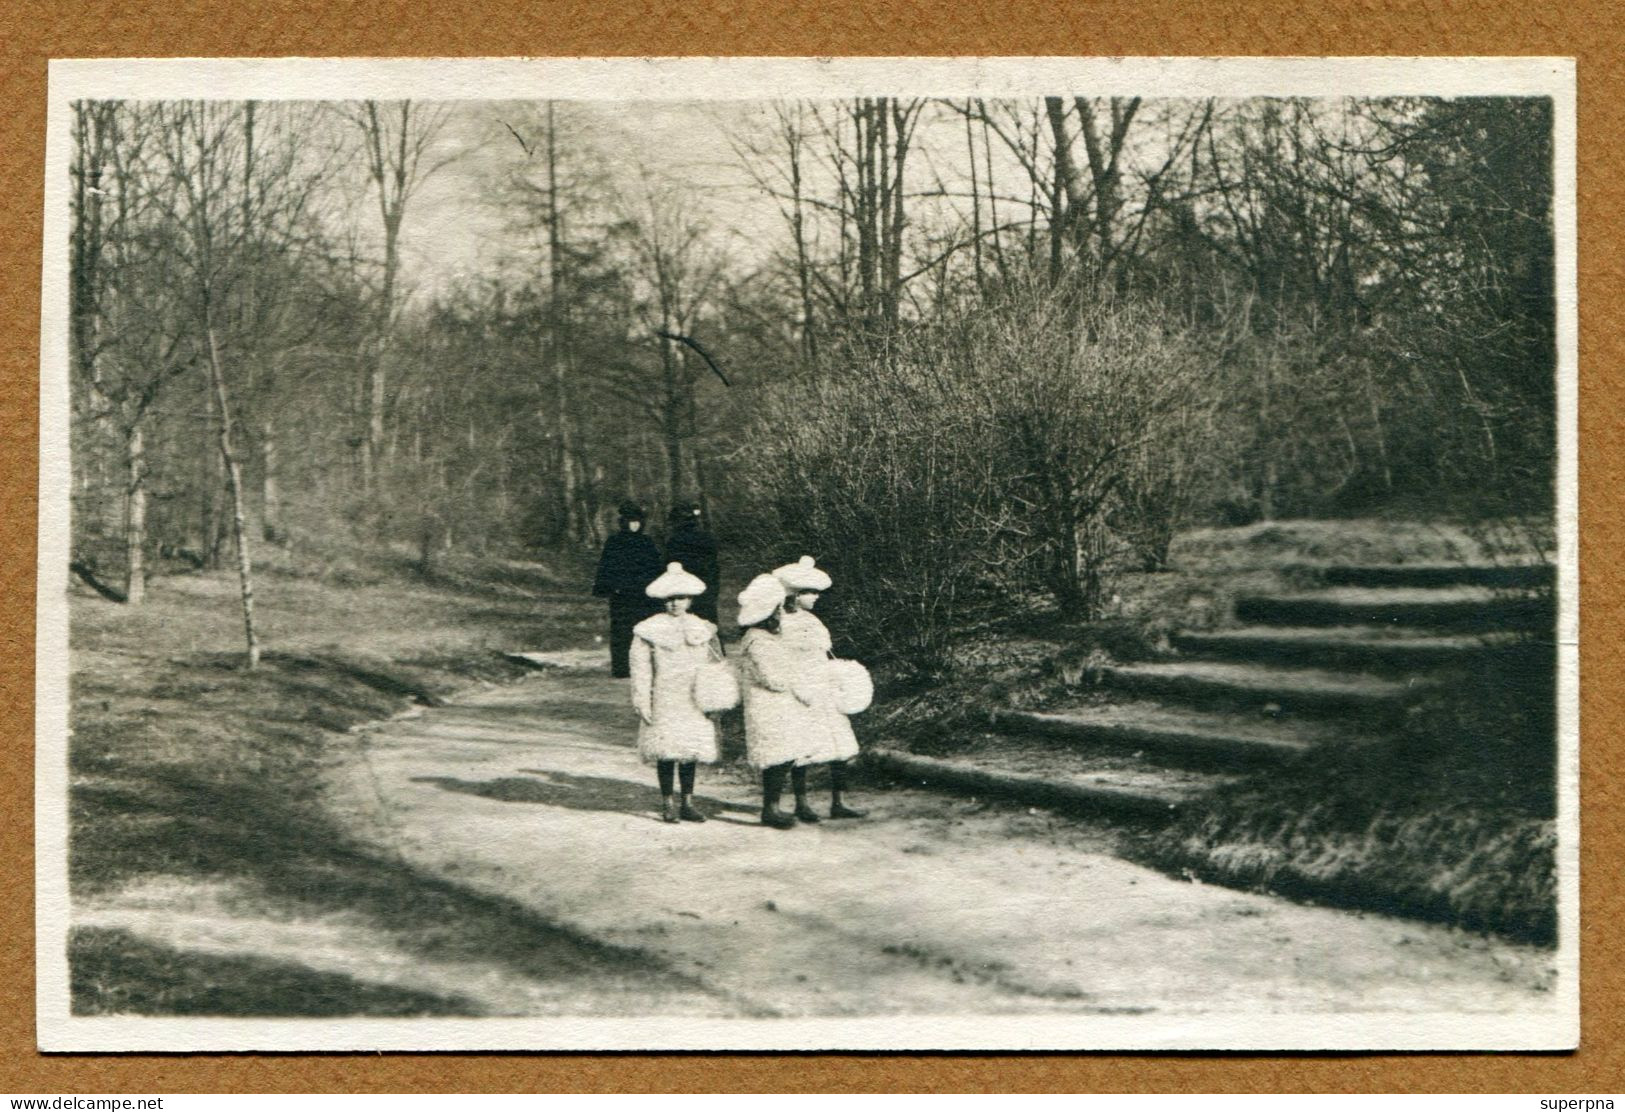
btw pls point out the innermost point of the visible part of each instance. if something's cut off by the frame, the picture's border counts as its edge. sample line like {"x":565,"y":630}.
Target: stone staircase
{"x":1336,"y":665}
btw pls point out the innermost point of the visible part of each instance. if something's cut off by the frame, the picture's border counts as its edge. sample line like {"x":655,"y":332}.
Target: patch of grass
{"x":1452,"y":819}
{"x":1483,"y":868}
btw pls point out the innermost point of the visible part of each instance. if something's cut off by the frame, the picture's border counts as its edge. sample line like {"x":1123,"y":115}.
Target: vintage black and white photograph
{"x":808,"y":554}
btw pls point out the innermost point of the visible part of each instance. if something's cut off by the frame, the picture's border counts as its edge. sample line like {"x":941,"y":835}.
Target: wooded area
{"x":990,"y":347}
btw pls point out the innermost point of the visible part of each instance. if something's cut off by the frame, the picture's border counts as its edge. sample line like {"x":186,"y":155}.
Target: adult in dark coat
{"x":690,"y":544}
{"x":631,"y":561}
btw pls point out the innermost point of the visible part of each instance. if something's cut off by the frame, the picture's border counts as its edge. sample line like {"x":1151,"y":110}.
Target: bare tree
{"x":397,"y":137}
{"x":544,"y":201}
{"x":679,"y":273}
{"x":204,"y":147}
{"x":232,"y":206}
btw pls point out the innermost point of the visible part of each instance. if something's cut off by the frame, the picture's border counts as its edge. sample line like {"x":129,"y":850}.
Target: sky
{"x":451,"y":233}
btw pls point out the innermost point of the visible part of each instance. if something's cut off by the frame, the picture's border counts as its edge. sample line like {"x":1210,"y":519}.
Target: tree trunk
{"x":1266,"y":491}
{"x":1068,"y":593}
{"x":975,"y":207}
{"x":374,"y":448}
{"x":1088,"y":567}
{"x":558,"y":341}
{"x":209,"y":483}
{"x":270,"y":492}
{"x":1064,"y":191}
{"x":867,"y":204}
{"x":234,"y":472}
{"x":674,"y":463}
{"x":135,"y":517}
{"x":896,"y":218}
{"x":672,"y":419}
{"x":360,"y":458}
{"x":376,"y":392}
{"x":592,"y":532}
{"x":809,"y":337}
{"x":1057,"y":199}
{"x":696,"y":458}
{"x":1081,"y":543}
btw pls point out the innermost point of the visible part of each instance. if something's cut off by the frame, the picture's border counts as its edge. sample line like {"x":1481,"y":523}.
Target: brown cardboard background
{"x":32,"y":31}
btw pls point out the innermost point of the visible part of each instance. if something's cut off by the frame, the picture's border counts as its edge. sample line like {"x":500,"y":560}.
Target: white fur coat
{"x":790,"y":712}
{"x":666,"y":652}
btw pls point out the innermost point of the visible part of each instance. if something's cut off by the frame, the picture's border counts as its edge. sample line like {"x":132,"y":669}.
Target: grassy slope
{"x":184,"y":766}
{"x":1452,"y":821}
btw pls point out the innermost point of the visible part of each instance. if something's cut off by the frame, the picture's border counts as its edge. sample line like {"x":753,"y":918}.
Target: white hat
{"x":675,"y":581}
{"x":802,"y":576}
{"x":759,"y":599}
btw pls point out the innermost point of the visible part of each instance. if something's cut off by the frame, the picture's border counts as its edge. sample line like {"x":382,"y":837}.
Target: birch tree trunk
{"x":234,"y":473}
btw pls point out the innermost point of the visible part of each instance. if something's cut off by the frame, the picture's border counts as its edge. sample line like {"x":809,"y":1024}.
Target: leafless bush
{"x":977,"y":458}
{"x":1100,"y":407}
{"x":879,"y":471}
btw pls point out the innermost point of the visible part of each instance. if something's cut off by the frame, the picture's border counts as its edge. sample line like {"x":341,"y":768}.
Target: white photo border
{"x":649,"y":79}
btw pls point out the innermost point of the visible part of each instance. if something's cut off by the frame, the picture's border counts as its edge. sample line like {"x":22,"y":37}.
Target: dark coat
{"x":696,"y":550}
{"x":630,"y":562}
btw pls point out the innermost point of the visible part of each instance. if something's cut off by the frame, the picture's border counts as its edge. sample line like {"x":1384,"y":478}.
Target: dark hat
{"x":631,"y":511}
{"x":684,"y":511}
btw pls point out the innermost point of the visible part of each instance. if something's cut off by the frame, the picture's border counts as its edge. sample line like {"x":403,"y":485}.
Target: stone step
{"x":1258,"y":687}
{"x":1175,"y":733}
{"x":1038,"y":775}
{"x":1435,"y":575}
{"x":1364,"y":647}
{"x":1456,"y":608}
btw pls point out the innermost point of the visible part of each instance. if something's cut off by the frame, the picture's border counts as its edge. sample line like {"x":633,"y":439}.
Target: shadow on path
{"x":178,"y":824}
{"x":115,"y":972}
{"x":578,"y":793}
{"x":619,"y":719}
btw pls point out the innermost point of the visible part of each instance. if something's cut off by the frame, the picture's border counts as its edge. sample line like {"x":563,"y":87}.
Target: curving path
{"x":932,"y":905}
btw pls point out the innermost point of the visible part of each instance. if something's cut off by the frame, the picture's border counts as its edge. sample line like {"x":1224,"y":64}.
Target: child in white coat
{"x":808,"y":644}
{"x":779,"y":727}
{"x":668,"y":649}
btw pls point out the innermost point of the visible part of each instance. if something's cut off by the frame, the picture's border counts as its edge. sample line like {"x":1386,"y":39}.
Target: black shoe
{"x":777,"y":819}
{"x":668,"y":810}
{"x":689,"y":813}
{"x":842,"y":811}
{"x":806,"y":813}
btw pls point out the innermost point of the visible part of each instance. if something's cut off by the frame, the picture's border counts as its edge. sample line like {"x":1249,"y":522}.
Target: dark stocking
{"x":773,"y":784}
{"x":685,"y":777}
{"x":798,"y":784}
{"x":837,"y":785}
{"x":668,"y":805}
{"x":772,"y":789}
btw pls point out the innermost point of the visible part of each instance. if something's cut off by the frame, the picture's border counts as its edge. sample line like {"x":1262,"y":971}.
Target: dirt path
{"x":932,"y":905}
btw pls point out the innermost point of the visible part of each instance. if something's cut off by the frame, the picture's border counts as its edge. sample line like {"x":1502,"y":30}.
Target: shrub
{"x":934,"y":466}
